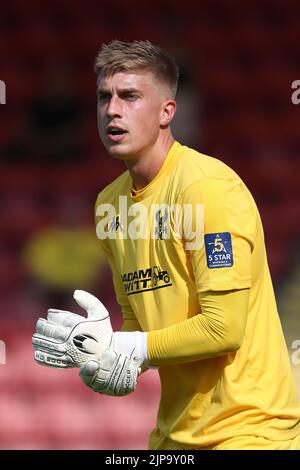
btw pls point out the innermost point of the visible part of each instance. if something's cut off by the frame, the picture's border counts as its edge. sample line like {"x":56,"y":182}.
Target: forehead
{"x":124,"y":80}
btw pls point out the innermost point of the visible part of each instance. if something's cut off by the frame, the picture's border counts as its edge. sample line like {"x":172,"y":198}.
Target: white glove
{"x":114,"y":374}
{"x":117,"y":370}
{"x":110,"y":362}
{"x":60,"y":340}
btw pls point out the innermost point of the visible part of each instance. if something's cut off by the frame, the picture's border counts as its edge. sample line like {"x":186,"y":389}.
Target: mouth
{"x":115,"y":133}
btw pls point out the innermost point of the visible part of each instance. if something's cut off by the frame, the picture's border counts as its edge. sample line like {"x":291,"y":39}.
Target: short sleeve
{"x":222,"y":261}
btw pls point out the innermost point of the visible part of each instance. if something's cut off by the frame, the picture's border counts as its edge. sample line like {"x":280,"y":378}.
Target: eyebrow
{"x":121,"y":91}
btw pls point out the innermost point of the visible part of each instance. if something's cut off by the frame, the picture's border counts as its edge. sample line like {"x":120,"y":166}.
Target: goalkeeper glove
{"x":117,"y":370}
{"x":70,"y":340}
{"x":114,"y":374}
{"x":59,"y":340}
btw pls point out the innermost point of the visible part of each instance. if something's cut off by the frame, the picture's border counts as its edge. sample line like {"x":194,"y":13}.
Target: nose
{"x":114,"y":107}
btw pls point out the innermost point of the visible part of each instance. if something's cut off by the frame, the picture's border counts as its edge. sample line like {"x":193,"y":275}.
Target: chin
{"x":118,"y":153}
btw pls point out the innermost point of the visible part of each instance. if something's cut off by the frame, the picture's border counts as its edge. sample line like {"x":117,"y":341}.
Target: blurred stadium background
{"x":238,"y":61}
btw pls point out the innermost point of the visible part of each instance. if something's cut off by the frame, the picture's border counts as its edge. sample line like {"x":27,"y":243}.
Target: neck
{"x":144,"y":169}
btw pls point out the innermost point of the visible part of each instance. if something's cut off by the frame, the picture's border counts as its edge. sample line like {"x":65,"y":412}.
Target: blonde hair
{"x":119,"y":56}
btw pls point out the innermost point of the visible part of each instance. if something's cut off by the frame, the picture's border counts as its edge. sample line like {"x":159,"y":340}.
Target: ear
{"x":168,"y":110}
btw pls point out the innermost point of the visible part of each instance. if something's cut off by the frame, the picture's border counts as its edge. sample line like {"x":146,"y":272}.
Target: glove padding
{"x":60,"y":340}
{"x":114,"y":374}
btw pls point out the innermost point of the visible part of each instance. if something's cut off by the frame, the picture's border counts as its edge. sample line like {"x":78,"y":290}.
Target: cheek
{"x":100,"y":118}
{"x":147,"y":117}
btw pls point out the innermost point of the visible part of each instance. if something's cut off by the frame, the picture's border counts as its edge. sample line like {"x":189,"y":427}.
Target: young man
{"x":185,"y":244}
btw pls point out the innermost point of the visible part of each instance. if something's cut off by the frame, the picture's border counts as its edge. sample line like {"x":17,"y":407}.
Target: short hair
{"x":119,"y":56}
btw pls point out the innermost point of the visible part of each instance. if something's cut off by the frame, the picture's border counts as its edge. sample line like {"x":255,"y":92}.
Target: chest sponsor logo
{"x":145,"y":279}
{"x":218,"y":249}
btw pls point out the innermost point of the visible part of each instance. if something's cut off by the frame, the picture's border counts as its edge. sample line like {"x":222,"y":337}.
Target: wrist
{"x":133,"y":344}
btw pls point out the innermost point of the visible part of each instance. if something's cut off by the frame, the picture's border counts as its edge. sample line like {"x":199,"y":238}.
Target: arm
{"x":217,"y":330}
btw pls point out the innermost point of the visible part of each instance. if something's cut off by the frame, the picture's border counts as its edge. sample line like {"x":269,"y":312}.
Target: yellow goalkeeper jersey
{"x":194,"y":229}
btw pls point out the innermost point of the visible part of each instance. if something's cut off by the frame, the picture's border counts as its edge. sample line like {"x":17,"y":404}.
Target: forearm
{"x":217,"y":330}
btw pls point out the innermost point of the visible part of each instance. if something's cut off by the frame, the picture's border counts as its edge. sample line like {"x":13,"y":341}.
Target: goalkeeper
{"x":186,"y":247}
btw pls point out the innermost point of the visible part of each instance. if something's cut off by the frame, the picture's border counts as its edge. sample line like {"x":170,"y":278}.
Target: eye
{"x":103,"y":97}
{"x":131,"y":97}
